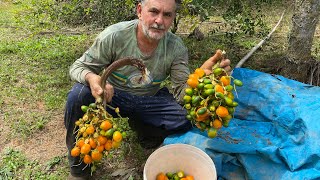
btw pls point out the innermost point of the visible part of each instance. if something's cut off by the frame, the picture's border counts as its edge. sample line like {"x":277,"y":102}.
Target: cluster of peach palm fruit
{"x":180,"y":175}
{"x":96,"y":134}
{"x":209,"y":99}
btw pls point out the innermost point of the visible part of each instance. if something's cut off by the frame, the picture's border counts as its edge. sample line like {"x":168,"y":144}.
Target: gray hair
{"x":178,"y":3}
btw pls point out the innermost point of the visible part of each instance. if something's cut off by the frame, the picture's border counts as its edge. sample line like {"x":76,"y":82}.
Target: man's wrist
{"x":89,"y":76}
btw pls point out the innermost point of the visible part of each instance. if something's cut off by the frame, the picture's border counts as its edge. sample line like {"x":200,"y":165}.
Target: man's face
{"x":156,"y":17}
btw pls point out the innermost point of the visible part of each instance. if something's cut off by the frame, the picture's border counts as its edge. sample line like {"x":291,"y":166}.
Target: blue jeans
{"x":156,"y":116}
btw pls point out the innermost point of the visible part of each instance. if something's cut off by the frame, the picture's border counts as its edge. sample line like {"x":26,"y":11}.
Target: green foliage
{"x":14,"y":164}
{"x":245,"y":17}
{"x":78,"y":12}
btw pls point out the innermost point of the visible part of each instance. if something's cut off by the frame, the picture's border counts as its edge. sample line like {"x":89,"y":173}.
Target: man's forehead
{"x":167,"y":5}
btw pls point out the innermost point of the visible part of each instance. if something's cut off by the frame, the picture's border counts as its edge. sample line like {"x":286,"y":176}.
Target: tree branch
{"x":240,"y":63}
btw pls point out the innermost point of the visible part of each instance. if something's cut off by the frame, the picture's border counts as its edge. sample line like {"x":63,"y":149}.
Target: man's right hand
{"x":94,"y":81}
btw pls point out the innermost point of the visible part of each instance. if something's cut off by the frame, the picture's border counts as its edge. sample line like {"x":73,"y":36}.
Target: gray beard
{"x":146,"y":32}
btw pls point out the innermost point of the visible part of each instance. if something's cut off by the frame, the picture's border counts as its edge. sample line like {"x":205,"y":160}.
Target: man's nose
{"x":159,"y":19}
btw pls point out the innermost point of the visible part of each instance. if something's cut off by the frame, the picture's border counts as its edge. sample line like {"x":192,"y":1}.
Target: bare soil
{"x":50,"y":141}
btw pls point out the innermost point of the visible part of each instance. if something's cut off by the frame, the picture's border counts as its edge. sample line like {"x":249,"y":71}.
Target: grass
{"x":15,"y":164}
{"x":34,"y":83}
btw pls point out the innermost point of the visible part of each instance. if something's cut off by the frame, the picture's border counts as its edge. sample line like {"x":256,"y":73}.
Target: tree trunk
{"x":304,"y":23}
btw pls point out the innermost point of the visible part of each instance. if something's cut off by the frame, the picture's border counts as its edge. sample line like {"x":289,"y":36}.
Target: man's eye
{"x":153,"y":11}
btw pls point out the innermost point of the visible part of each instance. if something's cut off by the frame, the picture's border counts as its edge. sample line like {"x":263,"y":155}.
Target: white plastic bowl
{"x":175,"y":157}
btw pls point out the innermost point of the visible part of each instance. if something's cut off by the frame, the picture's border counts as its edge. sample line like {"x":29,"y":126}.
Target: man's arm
{"x":86,"y":69}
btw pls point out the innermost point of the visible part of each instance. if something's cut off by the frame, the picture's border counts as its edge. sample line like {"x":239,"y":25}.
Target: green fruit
{"x":110,"y":132}
{"x":212,"y":132}
{"x":195,"y":100}
{"x":237,"y":82}
{"x":216,"y":103}
{"x":102,"y":132}
{"x":175,"y":177}
{"x":209,"y":86}
{"x":193,"y":114}
{"x":84,"y":108}
{"x":219,"y":95}
{"x":187,"y":106}
{"x":200,"y":86}
{"x":207,"y":81}
{"x":229,"y":88}
{"x":225,"y":123}
{"x":186,"y":99}
{"x":212,"y":108}
{"x":93,"y":105}
{"x":227,"y":118}
{"x":180,"y":174}
{"x":203,"y":125}
{"x":169,"y":174}
{"x":209,"y":92}
{"x":124,"y":135}
{"x":217,"y":71}
{"x":188,"y":91}
{"x":231,"y":110}
{"x":201,"y":110}
{"x":228,"y":101}
{"x":189,"y":117}
{"x":234,"y":104}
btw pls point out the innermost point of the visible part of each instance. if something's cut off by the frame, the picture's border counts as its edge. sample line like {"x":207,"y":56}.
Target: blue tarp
{"x":275,"y":132}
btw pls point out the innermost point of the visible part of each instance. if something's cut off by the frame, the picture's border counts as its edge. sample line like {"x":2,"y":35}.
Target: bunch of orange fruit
{"x":209,"y":99}
{"x":180,"y":175}
{"x":96,"y":134}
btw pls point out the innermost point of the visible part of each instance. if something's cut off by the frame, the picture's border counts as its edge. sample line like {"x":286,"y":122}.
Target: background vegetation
{"x":39,"y":39}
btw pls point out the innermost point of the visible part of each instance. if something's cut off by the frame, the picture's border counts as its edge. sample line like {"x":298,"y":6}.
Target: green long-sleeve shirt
{"x":118,"y":41}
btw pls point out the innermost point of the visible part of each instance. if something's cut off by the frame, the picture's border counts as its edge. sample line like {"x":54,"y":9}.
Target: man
{"x":153,"y":112}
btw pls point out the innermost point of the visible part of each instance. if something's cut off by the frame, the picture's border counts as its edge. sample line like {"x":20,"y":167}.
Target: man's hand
{"x":95,"y":85}
{"x":208,"y":64}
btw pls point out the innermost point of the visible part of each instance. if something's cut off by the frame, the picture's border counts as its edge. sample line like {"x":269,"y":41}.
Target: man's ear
{"x":139,"y":9}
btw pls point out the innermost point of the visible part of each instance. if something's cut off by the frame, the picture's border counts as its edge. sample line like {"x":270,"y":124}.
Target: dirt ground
{"x":50,"y":142}
{"x":43,"y":146}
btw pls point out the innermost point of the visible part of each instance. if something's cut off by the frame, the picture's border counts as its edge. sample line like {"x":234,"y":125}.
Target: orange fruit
{"x":202,"y":117}
{"x":85,"y":149}
{"x":189,"y":177}
{"x":100,"y":148}
{"x":117,"y":136}
{"x":96,"y":155}
{"x":90,"y":130}
{"x":116,"y":144}
{"x":80,"y":143}
{"x":87,"y":159}
{"x":194,"y":76}
{"x":217,"y":124}
{"x":222,"y":111}
{"x":92,"y":143}
{"x":108,"y":145}
{"x":219,"y":88}
{"x":75,"y":151}
{"x":199,"y":72}
{"x":161,"y":176}
{"x":192,"y":82}
{"x":101,"y":140}
{"x":225,"y":80}
{"x":105,"y":125}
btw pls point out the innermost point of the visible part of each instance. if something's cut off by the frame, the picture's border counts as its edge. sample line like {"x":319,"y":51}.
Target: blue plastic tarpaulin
{"x":275,"y":132}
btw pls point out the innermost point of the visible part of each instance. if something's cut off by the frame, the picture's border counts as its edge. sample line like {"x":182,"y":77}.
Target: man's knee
{"x":80,"y":94}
